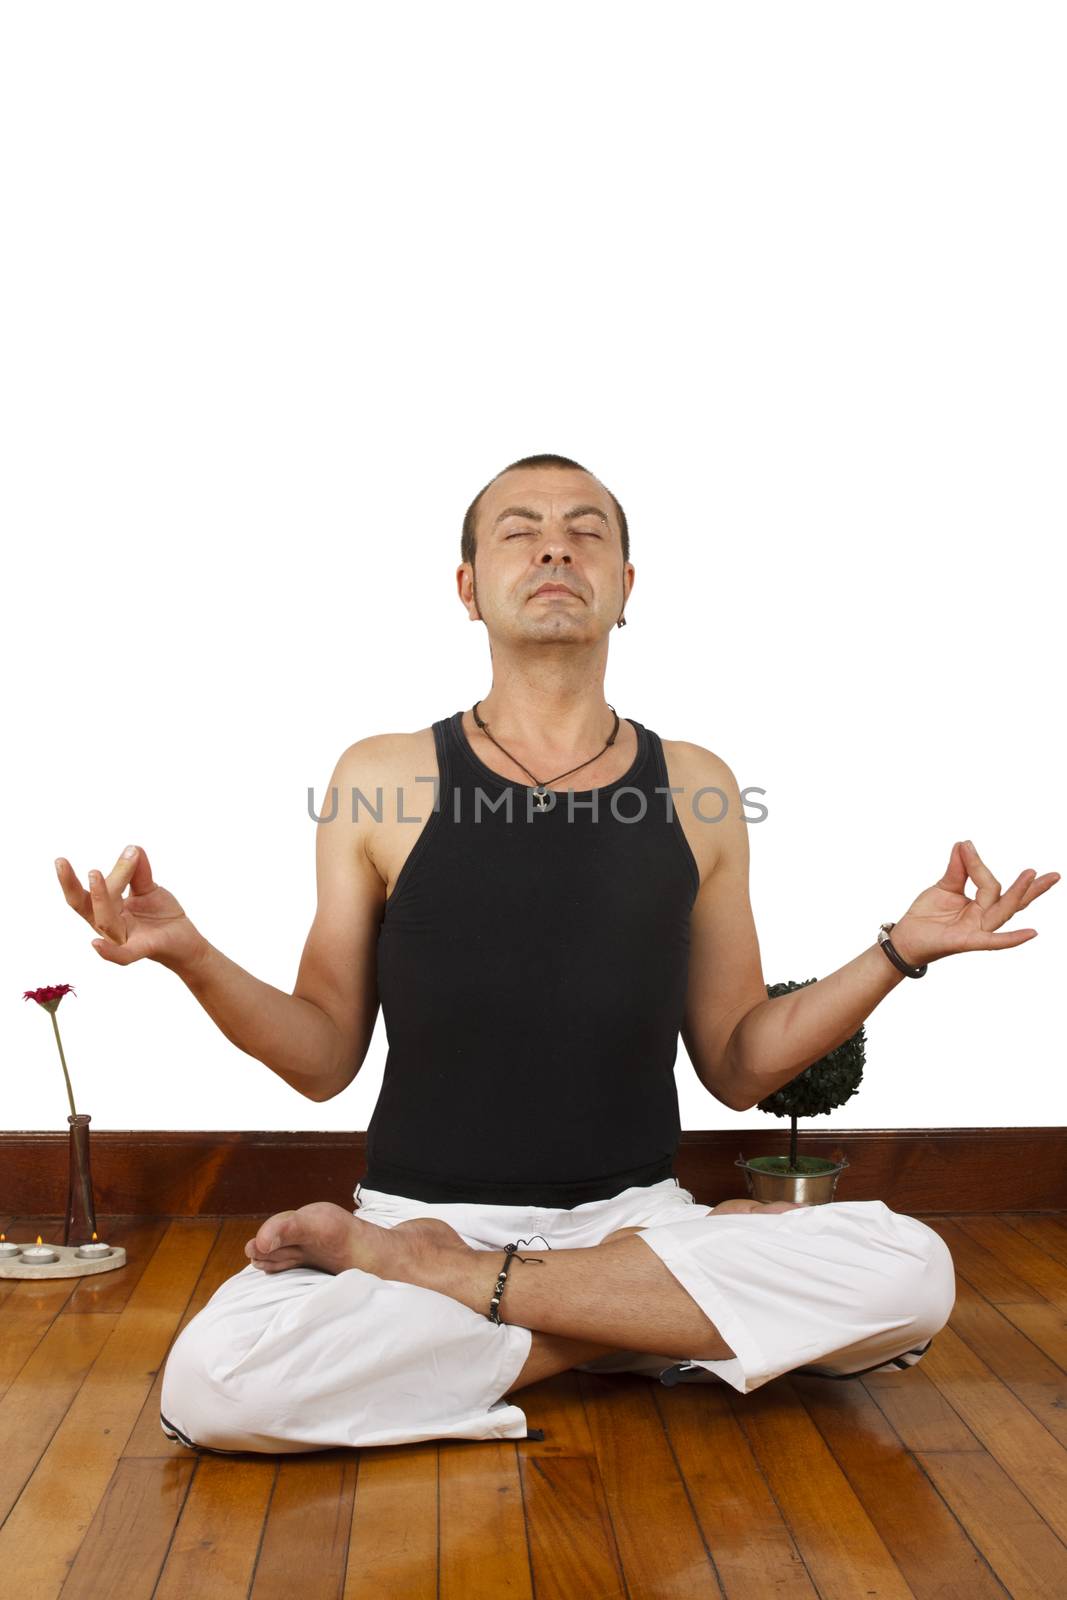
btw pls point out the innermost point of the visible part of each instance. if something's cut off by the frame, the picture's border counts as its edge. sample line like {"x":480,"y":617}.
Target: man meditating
{"x":542,"y":895}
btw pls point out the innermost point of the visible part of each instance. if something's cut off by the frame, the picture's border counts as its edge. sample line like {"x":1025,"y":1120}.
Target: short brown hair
{"x":467,"y":542}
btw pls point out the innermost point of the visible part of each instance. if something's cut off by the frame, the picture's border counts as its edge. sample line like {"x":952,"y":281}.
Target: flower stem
{"x":63,"y":1064}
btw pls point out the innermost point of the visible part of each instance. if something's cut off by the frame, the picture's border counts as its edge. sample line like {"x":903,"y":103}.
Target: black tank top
{"x":532,"y":975}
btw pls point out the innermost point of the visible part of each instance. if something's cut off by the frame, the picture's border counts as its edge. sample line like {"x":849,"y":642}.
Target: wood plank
{"x":23,"y":1229}
{"x":226,"y":1258}
{"x":42,"y":1534}
{"x":140,"y":1237}
{"x":995,"y":1279}
{"x":842,"y":1549}
{"x":917,"y":1410}
{"x":1023,"y":1342}
{"x":1022,"y":1550}
{"x":393,"y":1542}
{"x":480,"y":1494}
{"x":957,"y":1466}
{"x":555,"y":1406}
{"x":924,"y":1539}
{"x":1046,"y":1277}
{"x":572,"y":1541}
{"x":752,"y":1548}
{"x":126,"y":1543}
{"x":1029,"y":1455}
{"x":139,"y":1516}
{"x":1049,"y":1233}
{"x":660,"y":1545}
{"x":41,"y":1394}
{"x":305,"y":1541}
{"x":1040,"y":1253}
{"x":29,"y":1306}
{"x":215,"y":1543}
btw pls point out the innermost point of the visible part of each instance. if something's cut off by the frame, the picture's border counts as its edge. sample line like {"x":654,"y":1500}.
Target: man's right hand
{"x":148,"y":922}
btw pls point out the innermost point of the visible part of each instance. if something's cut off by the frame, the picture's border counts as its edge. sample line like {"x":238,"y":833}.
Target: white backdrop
{"x":284,"y":286}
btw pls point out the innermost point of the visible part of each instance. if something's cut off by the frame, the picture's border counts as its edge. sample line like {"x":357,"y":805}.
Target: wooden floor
{"x":946,"y":1480}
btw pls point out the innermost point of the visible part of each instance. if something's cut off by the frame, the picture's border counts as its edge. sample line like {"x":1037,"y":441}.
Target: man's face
{"x":540,"y":525}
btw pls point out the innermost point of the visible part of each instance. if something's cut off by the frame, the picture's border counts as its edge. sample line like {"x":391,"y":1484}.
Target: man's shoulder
{"x":708,"y":793}
{"x":384,"y":746}
{"x":696,"y":765}
{"x":388,"y":754}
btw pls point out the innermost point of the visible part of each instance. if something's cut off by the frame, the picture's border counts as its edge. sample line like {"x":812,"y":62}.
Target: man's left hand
{"x":942,"y":921}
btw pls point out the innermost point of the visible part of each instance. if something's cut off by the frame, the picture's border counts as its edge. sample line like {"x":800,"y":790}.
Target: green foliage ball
{"x":827,"y":1083}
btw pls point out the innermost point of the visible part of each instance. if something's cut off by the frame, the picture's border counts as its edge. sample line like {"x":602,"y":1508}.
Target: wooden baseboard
{"x":238,"y":1173}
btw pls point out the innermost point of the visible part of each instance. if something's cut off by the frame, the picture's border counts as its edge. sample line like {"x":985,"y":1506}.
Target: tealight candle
{"x":8,"y":1250}
{"x":90,"y":1252}
{"x":39,"y":1252}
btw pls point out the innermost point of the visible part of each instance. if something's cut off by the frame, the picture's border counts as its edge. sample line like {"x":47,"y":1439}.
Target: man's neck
{"x":552,"y":716}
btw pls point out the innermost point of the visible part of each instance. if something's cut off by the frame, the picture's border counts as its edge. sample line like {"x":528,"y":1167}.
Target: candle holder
{"x":68,"y":1264}
{"x":80,"y":1222}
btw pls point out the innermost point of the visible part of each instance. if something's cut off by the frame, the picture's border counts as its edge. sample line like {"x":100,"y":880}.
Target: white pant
{"x":307,"y":1360}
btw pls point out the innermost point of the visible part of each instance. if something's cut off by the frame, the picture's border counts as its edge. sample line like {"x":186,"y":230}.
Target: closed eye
{"x":521,"y":532}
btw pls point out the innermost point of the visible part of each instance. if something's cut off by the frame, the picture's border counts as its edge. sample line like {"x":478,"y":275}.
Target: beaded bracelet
{"x":509,"y":1256}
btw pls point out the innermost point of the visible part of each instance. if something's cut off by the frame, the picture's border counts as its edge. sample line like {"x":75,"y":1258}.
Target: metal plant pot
{"x":811,"y":1182}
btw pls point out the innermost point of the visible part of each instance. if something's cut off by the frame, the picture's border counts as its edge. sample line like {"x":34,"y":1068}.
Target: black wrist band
{"x":509,"y":1256}
{"x":894,"y":955}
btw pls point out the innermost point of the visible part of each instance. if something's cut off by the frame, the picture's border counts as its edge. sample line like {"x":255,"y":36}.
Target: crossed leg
{"x":402,"y":1349}
{"x":614,"y":1295}
{"x":551,"y":1353}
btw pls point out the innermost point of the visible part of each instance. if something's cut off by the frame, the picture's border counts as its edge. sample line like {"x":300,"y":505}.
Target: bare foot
{"x":326,"y":1236}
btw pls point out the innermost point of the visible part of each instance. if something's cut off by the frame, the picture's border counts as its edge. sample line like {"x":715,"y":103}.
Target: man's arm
{"x":317,"y":1037}
{"x":743,"y":1044}
{"x":339,"y":968}
{"x":725,"y":971}
{"x":774,"y":1042}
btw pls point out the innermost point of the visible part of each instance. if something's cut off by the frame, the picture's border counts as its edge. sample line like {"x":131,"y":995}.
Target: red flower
{"x":49,"y":998}
{"x":50,"y":995}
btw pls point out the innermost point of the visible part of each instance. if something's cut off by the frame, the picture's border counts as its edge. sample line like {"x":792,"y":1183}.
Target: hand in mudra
{"x":942,"y":921}
{"x":146,"y":922}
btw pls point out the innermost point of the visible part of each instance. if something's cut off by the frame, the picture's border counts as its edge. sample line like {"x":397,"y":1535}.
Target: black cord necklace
{"x":540,"y":790}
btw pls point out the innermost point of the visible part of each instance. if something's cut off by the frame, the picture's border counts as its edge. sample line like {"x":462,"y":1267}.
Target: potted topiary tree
{"x":815,"y":1092}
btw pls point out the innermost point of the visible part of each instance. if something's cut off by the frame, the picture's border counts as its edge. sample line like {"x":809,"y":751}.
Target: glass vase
{"x":81,"y":1213}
